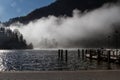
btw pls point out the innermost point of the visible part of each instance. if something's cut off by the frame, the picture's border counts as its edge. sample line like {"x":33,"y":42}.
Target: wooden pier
{"x":108,"y":55}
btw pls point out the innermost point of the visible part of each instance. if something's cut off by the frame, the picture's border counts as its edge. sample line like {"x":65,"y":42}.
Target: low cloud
{"x":53,"y":32}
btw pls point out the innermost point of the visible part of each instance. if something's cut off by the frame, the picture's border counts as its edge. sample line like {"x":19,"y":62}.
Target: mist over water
{"x":70,"y":32}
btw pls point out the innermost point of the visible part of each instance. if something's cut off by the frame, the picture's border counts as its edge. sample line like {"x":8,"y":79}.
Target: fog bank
{"x":71,"y":32}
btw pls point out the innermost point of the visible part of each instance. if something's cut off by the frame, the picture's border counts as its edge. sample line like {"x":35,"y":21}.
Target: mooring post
{"x":90,"y":54}
{"x":78,"y":53}
{"x":82,"y":54}
{"x":108,"y":56}
{"x":61,"y":54}
{"x":117,"y":52}
{"x":119,"y":59}
{"x":108,"y":53}
{"x":86,"y":51}
{"x":59,"y":51}
{"x":102,"y":52}
{"x":66,"y":55}
{"x":99,"y":55}
{"x":113,"y":53}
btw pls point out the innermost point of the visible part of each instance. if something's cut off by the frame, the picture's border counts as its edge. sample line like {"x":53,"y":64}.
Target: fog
{"x":70,"y":32}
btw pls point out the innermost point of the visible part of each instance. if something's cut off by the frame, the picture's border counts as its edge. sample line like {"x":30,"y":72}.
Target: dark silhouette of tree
{"x":30,"y":46}
{"x":13,"y":40}
{"x":21,"y":38}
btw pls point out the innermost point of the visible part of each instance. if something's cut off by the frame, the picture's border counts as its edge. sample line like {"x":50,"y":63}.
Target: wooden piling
{"x":59,"y":51}
{"x":90,"y":54}
{"x":86,"y":51}
{"x":83,"y":54}
{"x":98,"y":55}
{"x":117,"y":52}
{"x":66,"y":55}
{"x":108,"y":55}
{"x":78,"y":53}
{"x":61,"y":54}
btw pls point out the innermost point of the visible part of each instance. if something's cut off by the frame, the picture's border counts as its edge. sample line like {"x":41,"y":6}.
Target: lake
{"x":47,"y":60}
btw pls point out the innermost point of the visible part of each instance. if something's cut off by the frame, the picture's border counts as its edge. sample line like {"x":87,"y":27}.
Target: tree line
{"x":12,"y":39}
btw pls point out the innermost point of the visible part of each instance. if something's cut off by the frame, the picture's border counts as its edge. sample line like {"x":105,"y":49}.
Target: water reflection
{"x":46,"y":60}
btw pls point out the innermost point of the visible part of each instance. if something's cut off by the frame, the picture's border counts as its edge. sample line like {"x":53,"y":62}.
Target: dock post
{"x":119,"y":59}
{"x":66,"y":55}
{"x":78,"y":53}
{"x":117,"y":52}
{"x":90,"y":54}
{"x":108,"y":53}
{"x":108,"y":56}
{"x":86,"y":51}
{"x":61,"y":55}
{"x":82,"y":54}
{"x":59,"y":51}
{"x":99,"y":55}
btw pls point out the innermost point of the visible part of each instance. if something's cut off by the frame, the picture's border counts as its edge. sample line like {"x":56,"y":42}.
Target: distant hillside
{"x":60,"y":7}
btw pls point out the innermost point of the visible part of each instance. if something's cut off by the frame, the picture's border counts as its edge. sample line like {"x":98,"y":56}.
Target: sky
{"x":15,"y":8}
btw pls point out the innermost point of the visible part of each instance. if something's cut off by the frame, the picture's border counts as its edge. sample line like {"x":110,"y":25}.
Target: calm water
{"x":46,"y":60}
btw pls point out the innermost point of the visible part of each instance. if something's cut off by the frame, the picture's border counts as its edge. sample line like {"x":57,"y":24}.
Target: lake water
{"x":47,"y":60}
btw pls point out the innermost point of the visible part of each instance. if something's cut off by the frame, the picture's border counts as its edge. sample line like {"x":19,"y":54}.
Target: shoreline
{"x":59,"y":71}
{"x":61,"y":75}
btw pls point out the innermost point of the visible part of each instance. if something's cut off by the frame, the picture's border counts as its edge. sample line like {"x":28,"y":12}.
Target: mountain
{"x":59,"y":8}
